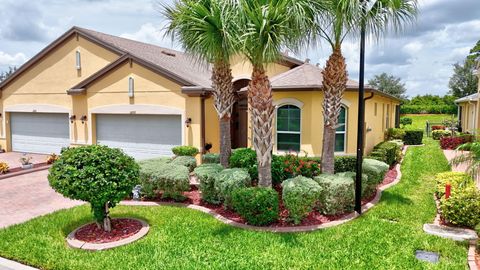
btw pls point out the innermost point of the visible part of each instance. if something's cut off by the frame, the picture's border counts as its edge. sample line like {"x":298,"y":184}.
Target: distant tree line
{"x":5,"y":74}
{"x":430,"y":104}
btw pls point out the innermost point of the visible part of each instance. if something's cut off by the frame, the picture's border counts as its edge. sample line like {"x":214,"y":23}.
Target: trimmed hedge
{"x":462,"y":208}
{"x":300,"y":195}
{"x":457,"y":180}
{"x":206,"y":175}
{"x":258,"y":206}
{"x":187,"y":161}
{"x":428,"y":109}
{"x":439,"y":133}
{"x":413,"y":137}
{"x":345,"y":163}
{"x":388,"y":152}
{"x":405,"y":121}
{"x":185,"y":150}
{"x":375,"y":171}
{"x":369,"y":186}
{"x":229,"y":180}
{"x":394,"y":134}
{"x":211,"y":158}
{"x":337,"y":193}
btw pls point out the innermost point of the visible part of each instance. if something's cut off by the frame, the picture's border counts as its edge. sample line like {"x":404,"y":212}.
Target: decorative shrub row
{"x":413,"y":137}
{"x":438,"y":127}
{"x":206,"y":175}
{"x":375,"y":171}
{"x":440,"y":133}
{"x":457,"y":181}
{"x":300,"y":195}
{"x":185,"y":150}
{"x":229,"y":180}
{"x":394,"y":134}
{"x":345,"y":164}
{"x":337,"y":193}
{"x":211,"y":158}
{"x":428,"y":109}
{"x":258,"y":206}
{"x":462,"y":208}
{"x":187,"y":161}
{"x":451,"y":143}
{"x":388,"y":152}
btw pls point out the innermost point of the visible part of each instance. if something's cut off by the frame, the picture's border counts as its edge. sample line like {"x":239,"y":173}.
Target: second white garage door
{"x":140,"y":136}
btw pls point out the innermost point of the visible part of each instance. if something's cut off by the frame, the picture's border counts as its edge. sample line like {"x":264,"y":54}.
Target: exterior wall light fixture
{"x":83,"y":118}
{"x":188,"y":122}
{"x":72,"y":118}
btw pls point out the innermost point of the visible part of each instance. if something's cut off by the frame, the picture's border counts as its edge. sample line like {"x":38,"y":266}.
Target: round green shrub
{"x":96,"y":174}
{"x":300,"y":195}
{"x":337,"y":194}
{"x":406,"y":121}
{"x":245,"y":158}
{"x":211,"y":158}
{"x":228,"y":180}
{"x":187,"y":161}
{"x":462,"y":208}
{"x":258,"y":206}
{"x":375,"y":170}
{"x":206,"y":175}
{"x":457,"y":180}
{"x":185,"y":150}
{"x":172,"y":179}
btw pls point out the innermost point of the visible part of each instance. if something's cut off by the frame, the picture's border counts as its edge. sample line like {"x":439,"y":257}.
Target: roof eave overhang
{"x":196,"y":91}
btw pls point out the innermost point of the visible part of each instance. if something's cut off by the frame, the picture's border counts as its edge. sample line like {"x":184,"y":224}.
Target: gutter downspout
{"x":202,"y":126}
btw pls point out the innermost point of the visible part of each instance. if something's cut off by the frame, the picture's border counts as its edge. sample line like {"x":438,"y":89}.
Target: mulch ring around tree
{"x":121,"y":228}
{"x":124,"y":231}
{"x":314,"y":218}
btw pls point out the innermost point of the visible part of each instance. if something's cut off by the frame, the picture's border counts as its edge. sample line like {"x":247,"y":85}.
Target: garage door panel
{"x":39,"y":132}
{"x":140,"y":136}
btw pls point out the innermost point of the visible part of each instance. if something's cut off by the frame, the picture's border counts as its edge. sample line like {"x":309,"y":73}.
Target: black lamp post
{"x":361,"y":112}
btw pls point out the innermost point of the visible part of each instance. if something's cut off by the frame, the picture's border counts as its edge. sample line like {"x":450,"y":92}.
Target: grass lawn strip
{"x":385,"y":237}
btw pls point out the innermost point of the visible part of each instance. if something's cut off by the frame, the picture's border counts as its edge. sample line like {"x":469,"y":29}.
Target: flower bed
{"x":121,"y":228}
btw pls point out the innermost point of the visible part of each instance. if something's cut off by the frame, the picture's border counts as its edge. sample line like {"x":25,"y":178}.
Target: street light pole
{"x":361,"y":119}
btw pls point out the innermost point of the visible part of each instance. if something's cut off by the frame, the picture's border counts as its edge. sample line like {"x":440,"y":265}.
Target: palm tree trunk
{"x":260,"y":101}
{"x":334,"y":84}
{"x":224,"y":98}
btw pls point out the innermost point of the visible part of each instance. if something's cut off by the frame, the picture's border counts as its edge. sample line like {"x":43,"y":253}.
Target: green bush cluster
{"x":457,"y":181}
{"x":229,"y":180}
{"x":211,"y":158}
{"x":375,"y":171}
{"x":206,"y":175}
{"x":187,"y":161}
{"x":245,"y":158}
{"x":369,"y":185}
{"x":406,"y":121}
{"x":428,"y":109}
{"x":185,"y":150}
{"x":258,"y":206}
{"x":337,"y":193}
{"x":96,"y":174}
{"x":439,"y":133}
{"x":162,"y":175}
{"x":462,"y":208}
{"x":394,"y":134}
{"x":413,"y":137}
{"x":300,"y":195}
{"x":388,"y":152}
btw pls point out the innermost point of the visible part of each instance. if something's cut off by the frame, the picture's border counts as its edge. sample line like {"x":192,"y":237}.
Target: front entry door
{"x":239,"y":124}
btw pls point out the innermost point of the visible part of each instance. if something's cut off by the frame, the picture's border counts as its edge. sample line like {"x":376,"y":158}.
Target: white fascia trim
{"x":37,"y":108}
{"x":137,"y":109}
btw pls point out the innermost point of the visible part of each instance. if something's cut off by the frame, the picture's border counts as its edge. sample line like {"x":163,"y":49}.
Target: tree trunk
{"x":334,"y":84}
{"x":261,"y":108}
{"x":224,"y":98}
{"x":106,"y":223}
{"x":225,"y":141}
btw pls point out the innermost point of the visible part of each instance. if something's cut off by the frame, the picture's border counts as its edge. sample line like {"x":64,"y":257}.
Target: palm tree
{"x":207,"y":30}
{"x":470,"y":158}
{"x":344,"y":18}
{"x":268,"y":26}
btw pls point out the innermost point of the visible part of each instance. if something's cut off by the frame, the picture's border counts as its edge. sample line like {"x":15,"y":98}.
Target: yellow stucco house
{"x":88,"y":87}
{"x":468,"y":108}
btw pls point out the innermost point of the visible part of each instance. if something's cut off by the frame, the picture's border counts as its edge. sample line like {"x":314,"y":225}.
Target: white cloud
{"x":150,"y":33}
{"x":7,"y":60}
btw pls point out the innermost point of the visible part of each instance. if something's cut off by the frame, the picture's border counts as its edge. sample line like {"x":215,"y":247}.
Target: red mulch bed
{"x":314,"y":218}
{"x":121,"y":228}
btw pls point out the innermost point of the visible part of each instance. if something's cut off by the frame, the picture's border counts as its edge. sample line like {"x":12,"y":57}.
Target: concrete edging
{"x":310,"y":228}
{"x":74,"y":243}
{"x":22,"y":172}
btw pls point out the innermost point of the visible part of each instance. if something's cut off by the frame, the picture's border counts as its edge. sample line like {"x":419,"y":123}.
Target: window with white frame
{"x":288,"y":128}
{"x":341,"y":132}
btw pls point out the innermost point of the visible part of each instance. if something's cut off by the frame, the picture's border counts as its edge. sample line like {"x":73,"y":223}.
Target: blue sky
{"x":422,"y":56}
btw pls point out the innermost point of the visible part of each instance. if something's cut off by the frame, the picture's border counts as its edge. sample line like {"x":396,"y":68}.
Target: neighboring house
{"x":468,"y":108}
{"x":88,"y":87}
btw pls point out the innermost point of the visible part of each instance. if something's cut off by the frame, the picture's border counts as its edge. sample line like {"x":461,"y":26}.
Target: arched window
{"x":341,"y":132}
{"x":288,"y":128}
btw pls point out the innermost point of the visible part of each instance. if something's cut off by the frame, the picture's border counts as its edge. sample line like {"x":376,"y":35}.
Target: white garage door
{"x":140,"y":136}
{"x":43,"y":133}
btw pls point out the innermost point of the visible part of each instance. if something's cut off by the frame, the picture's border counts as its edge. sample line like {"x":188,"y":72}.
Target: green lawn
{"x":384,"y":238}
{"x":419,"y":120}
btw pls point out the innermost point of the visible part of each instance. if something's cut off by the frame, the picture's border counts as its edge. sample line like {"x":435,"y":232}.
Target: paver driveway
{"x":28,"y":196}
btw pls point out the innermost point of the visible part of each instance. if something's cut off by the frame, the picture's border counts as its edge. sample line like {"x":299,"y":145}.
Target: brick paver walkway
{"x":28,"y":196}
